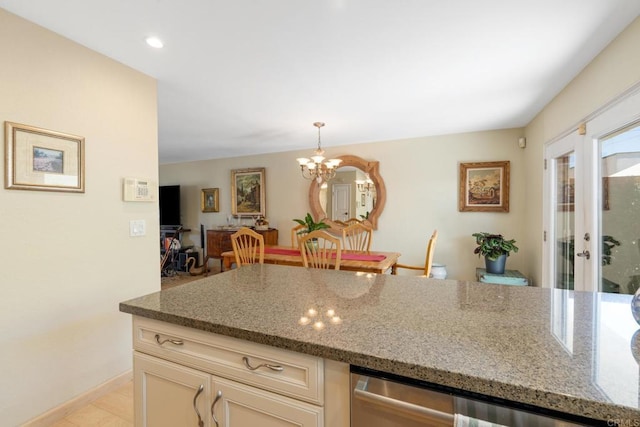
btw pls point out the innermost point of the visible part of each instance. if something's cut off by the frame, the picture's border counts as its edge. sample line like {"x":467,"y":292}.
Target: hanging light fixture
{"x":316,"y":167}
{"x":365,"y":185}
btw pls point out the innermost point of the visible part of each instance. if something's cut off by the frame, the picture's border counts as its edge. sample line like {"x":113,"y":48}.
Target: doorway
{"x":592,"y":204}
{"x":341,"y":206}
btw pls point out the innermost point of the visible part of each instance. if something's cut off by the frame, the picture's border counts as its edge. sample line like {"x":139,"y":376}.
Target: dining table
{"x":365,"y":261}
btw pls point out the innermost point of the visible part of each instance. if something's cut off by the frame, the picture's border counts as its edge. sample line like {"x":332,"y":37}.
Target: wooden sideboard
{"x":219,"y":241}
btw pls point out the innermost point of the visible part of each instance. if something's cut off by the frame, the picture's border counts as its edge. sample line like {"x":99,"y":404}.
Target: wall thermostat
{"x":139,"y":190}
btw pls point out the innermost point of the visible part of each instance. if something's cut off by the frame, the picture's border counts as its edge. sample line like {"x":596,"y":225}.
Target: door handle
{"x":585,"y":254}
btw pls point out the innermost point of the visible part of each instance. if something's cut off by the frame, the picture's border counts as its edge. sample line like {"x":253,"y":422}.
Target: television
{"x":169,"y":200}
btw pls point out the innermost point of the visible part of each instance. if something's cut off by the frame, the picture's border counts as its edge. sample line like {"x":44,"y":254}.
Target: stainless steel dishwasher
{"x":383,"y":400}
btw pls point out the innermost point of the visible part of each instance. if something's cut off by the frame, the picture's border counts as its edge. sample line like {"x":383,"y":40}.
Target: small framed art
{"x":484,"y":187}
{"x":41,"y":159}
{"x":209,"y":200}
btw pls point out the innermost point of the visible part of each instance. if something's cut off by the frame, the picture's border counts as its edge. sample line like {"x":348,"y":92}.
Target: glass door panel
{"x":619,"y":211}
{"x":564,"y":221}
{"x":563,"y":186}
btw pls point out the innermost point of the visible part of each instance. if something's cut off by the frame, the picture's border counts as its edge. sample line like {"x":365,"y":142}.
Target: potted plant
{"x":495,"y":249}
{"x":310,"y":224}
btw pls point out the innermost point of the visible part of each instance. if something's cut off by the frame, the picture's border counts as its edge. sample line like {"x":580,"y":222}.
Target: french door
{"x":592,"y":203}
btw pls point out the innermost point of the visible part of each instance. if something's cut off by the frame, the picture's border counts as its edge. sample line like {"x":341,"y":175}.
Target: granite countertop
{"x":562,"y":350}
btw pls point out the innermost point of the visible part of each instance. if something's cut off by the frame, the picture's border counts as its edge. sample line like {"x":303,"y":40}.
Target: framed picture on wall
{"x":41,"y":159}
{"x":484,"y":187}
{"x":209,"y":200}
{"x":248,"y":192}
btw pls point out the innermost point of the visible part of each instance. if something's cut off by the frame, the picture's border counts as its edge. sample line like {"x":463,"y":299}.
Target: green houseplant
{"x":495,"y":249}
{"x":310,"y":224}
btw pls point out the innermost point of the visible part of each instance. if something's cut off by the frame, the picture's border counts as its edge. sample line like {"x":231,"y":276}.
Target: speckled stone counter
{"x":566,"y":351}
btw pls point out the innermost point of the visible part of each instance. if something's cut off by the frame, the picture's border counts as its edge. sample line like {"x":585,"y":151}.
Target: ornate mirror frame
{"x":372,"y":168}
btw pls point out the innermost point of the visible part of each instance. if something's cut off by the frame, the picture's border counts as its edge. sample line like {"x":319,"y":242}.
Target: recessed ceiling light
{"x":154,"y":42}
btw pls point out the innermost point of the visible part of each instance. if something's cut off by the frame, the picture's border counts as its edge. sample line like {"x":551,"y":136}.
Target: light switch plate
{"x":137,"y":227}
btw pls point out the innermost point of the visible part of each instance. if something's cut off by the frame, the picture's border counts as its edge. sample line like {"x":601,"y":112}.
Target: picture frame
{"x":484,"y":187}
{"x":210,"y":200}
{"x":248,"y":198}
{"x":42,"y":159}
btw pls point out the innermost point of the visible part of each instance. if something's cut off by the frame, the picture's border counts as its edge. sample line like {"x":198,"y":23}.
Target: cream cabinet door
{"x":240,"y":405}
{"x":170,"y":395}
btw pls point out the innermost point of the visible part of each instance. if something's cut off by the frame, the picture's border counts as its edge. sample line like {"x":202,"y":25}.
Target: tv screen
{"x":169,"y":199}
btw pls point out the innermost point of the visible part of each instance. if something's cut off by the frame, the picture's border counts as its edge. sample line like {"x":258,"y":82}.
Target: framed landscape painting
{"x":248,"y":192}
{"x":41,"y":159}
{"x":484,"y":187}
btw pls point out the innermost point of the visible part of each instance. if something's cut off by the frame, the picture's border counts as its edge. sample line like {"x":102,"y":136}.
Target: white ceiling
{"x":239,"y":77}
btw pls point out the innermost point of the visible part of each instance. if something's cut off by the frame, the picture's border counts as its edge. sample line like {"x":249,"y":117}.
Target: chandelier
{"x":316,"y":167}
{"x":365,"y":185}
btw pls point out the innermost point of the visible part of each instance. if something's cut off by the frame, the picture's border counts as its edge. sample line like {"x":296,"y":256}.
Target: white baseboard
{"x":56,"y":414}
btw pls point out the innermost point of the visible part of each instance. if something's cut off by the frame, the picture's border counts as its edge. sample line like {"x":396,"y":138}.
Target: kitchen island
{"x":571,"y":352}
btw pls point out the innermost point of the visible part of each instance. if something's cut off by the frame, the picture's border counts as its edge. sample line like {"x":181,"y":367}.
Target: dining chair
{"x":320,"y":249}
{"x":248,"y":247}
{"x":352,"y":221}
{"x":296,"y":233}
{"x":426,"y":268}
{"x":357,"y":237}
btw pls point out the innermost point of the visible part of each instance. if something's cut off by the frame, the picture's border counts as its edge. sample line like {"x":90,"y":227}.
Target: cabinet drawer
{"x":294,"y":374}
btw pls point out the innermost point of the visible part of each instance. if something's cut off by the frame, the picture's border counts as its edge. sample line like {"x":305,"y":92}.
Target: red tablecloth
{"x":345,"y":255}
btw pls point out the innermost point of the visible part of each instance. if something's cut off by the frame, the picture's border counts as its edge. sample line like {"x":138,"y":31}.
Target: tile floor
{"x":114,"y":409}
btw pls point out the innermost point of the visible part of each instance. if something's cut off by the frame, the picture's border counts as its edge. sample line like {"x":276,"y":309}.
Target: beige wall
{"x":67,"y":259}
{"x":611,"y":73}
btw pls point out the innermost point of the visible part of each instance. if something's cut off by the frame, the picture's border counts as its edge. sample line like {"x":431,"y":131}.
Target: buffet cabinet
{"x":219,"y":241}
{"x":186,"y":377}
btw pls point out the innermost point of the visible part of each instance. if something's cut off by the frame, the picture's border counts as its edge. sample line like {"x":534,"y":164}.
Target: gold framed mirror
{"x":369,"y":200}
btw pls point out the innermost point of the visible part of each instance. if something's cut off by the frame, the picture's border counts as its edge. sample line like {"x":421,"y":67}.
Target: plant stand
{"x":510,"y":277}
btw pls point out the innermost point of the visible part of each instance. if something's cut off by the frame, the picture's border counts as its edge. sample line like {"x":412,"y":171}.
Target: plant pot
{"x":438,"y":271}
{"x":312,"y":245}
{"x":496,"y":266}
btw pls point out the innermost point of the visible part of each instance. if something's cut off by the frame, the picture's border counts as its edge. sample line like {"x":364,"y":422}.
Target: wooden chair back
{"x":426,"y":269}
{"x":248,"y":247}
{"x":296,"y":234}
{"x":352,"y":221}
{"x":320,"y":249}
{"x":357,"y":237}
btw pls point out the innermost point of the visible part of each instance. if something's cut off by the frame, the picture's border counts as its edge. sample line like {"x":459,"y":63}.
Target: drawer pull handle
{"x":213,"y":405}
{"x":195,"y":407}
{"x":175,"y":342}
{"x":277,"y":368}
